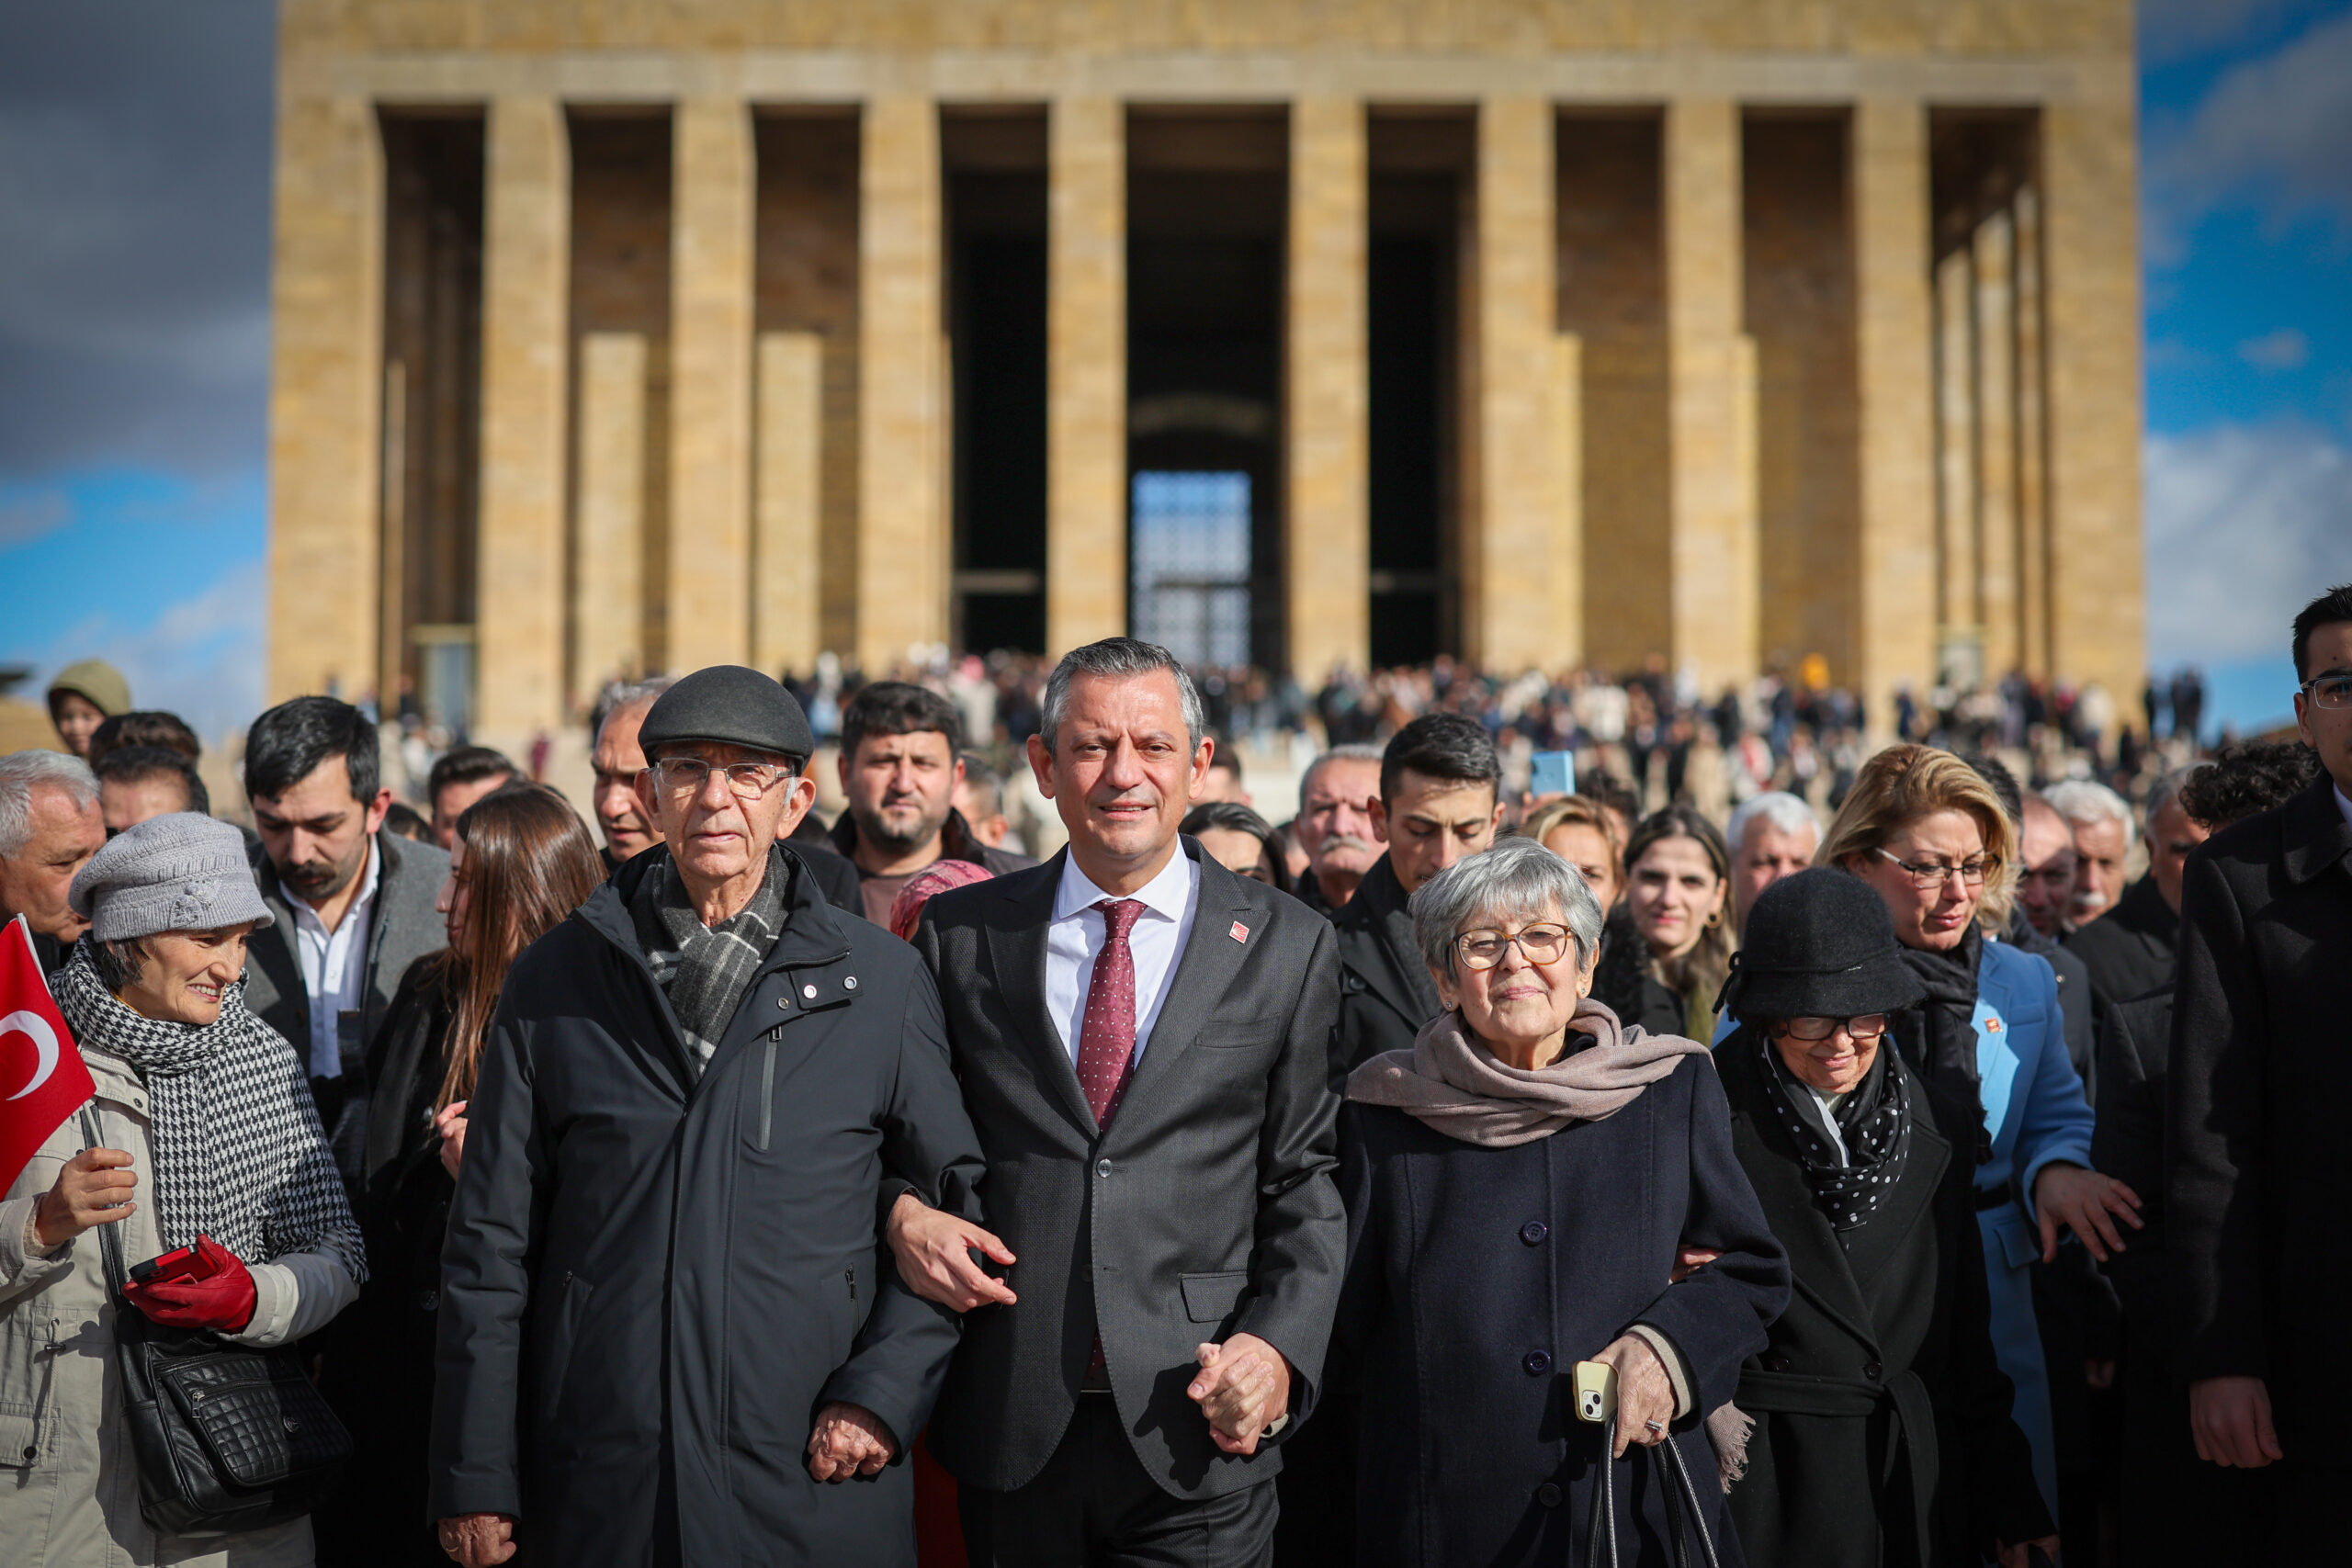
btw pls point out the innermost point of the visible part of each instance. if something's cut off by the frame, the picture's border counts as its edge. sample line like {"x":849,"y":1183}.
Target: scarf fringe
{"x":1728,"y":1428}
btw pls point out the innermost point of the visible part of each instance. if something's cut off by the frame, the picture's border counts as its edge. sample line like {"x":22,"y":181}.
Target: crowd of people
{"x":1763,"y":1151}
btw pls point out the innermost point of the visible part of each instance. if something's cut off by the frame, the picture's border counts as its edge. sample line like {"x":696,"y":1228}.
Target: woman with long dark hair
{"x":1667,"y":946}
{"x":522,"y":862}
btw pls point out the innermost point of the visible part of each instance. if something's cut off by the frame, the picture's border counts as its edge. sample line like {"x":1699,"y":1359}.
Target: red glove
{"x":223,"y":1301}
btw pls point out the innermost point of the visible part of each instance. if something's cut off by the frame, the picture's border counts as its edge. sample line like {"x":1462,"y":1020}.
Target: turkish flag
{"x":42,"y":1081}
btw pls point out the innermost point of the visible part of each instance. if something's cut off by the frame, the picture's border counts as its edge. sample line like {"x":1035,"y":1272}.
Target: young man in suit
{"x":2254,"y":1174}
{"x":1143,"y":1039}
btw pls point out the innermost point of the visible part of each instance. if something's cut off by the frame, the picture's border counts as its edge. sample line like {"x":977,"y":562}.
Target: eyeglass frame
{"x":2311,"y":689}
{"x":1988,"y":866}
{"x":783,"y":768}
{"x":1511,"y":940}
{"x":1786,"y":1028}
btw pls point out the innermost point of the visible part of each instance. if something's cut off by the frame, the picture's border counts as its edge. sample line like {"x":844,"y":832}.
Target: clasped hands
{"x":1243,"y":1386}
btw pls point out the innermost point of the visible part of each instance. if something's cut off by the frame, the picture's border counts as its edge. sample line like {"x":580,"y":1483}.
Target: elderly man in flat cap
{"x":666,"y":1334}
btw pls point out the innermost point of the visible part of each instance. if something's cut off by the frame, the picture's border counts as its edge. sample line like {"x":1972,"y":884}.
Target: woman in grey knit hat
{"x":201,"y":1134}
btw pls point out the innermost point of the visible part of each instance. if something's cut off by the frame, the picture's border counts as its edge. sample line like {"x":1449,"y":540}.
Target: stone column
{"x":1711,"y":370}
{"x":1567,"y":506}
{"x":609,"y":575}
{"x":325,"y":398}
{"x":2033,"y":492}
{"x":786,"y":603}
{"x":1326,"y":567}
{"x":1996,"y":434}
{"x":2091,"y":315}
{"x":525,"y":291}
{"x":1510,"y":538}
{"x":1957,"y":612}
{"x":1086,"y":373}
{"x":1897,"y":570}
{"x":711,"y":248}
{"x":902,"y":545}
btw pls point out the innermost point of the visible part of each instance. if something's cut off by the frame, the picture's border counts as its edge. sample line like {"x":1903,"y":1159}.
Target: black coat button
{"x":1778,"y":1361}
{"x":1548,"y":1494}
{"x":32,"y":1453}
{"x":1872,"y":1370}
{"x":1537,"y":1362}
{"x":1533,"y":1232}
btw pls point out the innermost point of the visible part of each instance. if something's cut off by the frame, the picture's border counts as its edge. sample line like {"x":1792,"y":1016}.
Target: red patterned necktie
{"x":1106,"y":1038}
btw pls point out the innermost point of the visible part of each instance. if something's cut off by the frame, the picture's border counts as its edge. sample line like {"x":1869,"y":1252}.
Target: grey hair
{"x":1120,"y":658}
{"x":2082,"y":801}
{"x":2165,"y":792}
{"x":1776,"y":808}
{"x":22,"y":772}
{"x":1518,"y":877}
{"x":1354,"y":751}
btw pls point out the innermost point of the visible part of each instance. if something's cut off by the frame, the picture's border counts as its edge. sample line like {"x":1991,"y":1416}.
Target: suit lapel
{"x":1212,"y":958}
{"x":1874,"y":1243}
{"x":1017,"y":948}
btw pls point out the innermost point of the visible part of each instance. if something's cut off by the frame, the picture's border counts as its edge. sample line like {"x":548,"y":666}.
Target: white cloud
{"x":200,"y":658}
{"x":2170,"y":29}
{"x":2270,"y":134}
{"x":2245,"y":524}
{"x":32,"y":514}
{"x":2286,"y":349}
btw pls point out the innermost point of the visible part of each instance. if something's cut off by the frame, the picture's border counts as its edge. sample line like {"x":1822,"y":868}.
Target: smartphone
{"x":182,"y":1263}
{"x":1596,"y":1392}
{"x":1552,"y":773}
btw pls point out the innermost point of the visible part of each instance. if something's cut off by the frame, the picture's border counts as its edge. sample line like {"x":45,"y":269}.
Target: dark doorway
{"x":1205,"y":219}
{"x":1417,"y":166}
{"x":996,"y":225}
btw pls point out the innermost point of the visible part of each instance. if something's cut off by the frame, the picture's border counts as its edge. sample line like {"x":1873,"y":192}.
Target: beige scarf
{"x":1452,"y":1082}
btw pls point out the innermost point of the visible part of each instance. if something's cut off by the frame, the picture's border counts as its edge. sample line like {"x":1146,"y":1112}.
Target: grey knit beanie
{"x":184,"y":871}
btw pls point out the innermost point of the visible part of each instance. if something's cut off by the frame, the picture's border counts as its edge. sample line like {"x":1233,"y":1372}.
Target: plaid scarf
{"x":239,"y":1155}
{"x":705,"y":970}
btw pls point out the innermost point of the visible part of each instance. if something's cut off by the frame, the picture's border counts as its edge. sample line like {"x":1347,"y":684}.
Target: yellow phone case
{"x":1596,"y":1392}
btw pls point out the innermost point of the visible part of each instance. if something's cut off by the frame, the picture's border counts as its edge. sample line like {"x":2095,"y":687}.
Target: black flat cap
{"x":732,"y":705}
{"x":1819,"y":944}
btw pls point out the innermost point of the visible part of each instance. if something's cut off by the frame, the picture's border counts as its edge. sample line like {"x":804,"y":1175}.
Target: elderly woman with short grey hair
{"x":201,"y":1134}
{"x":1533,"y":1185}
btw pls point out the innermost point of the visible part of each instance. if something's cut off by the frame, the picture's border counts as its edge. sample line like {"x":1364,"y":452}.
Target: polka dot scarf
{"x":1874,"y":1121}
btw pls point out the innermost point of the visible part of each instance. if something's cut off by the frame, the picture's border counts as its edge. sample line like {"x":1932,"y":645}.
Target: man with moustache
{"x":49,"y":827}
{"x":1142,"y":1037}
{"x":1334,"y":824}
{"x":354,"y":904}
{"x":900,"y":766}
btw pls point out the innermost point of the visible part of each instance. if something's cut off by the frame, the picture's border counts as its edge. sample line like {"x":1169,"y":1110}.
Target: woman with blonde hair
{"x":523,"y":860}
{"x":1580,"y":830}
{"x":1927,"y":834}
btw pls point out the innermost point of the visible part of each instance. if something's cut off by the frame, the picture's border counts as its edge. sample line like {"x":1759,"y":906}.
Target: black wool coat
{"x":1477,"y":1277}
{"x":2260,"y":1075}
{"x":1883,"y":1428}
{"x":654,"y":1279}
{"x":1385,"y":992}
{"x":2130,"y":950}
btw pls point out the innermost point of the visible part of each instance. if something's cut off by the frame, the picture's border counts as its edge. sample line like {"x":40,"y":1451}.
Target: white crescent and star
{"x":35,"y":1028}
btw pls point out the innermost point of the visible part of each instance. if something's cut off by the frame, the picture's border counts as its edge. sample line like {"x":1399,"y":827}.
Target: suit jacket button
{"x":1537,"y":1363}
{"x":1533,"y":1232}
{"x":1102,"y":1167}
{"x":1548,"y":1494}
{"x":1872,"y":1370}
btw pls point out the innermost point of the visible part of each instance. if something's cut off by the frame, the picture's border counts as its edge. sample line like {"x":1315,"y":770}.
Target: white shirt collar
{"x":1165,"y":894}
{"x":2344,"y":804}
{"x":369,"y":881}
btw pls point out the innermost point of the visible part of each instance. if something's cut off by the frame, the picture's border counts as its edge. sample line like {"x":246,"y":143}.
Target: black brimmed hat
{"x":732,"y":706}
{"x":1818,"y":944}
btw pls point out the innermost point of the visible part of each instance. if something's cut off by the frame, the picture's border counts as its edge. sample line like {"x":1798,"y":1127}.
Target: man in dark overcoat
{"x":1143,"y":1039}
{"x":667,"y":1333}
{"x":2256,"y":1184}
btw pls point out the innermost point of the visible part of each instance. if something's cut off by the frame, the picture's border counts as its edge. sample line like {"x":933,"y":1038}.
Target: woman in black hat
{"x":1883,"y":1426}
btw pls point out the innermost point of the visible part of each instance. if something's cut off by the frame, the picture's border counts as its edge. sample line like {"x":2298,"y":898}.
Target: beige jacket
{"x":69,"y":1485}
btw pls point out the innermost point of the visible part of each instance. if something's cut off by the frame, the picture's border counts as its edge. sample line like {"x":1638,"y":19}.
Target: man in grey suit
{"x":1143,"y":1039}
{"x":354,"y":904}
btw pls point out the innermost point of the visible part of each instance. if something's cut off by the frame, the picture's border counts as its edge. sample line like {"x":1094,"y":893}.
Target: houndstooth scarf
{"x":238,"y":1153}
{"x":702,"y":969}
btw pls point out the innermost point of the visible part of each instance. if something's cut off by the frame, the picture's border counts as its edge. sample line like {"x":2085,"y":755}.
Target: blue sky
{"x":134,"y":196}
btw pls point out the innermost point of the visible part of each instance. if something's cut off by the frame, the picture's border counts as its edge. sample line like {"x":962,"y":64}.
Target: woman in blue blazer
{"x":1926,"y":831}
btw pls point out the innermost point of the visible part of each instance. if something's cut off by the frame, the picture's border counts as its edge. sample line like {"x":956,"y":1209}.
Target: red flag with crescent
{"x":42,"y":1081}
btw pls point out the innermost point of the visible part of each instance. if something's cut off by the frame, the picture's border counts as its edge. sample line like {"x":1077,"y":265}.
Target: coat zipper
{"x":767,"y":1091}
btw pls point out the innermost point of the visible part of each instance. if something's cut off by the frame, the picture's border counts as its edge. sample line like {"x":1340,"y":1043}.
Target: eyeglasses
{"x":2333,"y":690}
{"x":1930,"y":877}
{"x":1869,"y":1027}
{"x":1543,"y":944}
{"x":687,"y":775}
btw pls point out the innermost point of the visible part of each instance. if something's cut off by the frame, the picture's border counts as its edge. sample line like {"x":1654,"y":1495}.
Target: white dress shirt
{"x":334,"y":965}
{"x":1156,"y":942}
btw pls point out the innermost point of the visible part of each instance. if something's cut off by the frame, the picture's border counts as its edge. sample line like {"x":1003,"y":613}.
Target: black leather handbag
{"x":1688,"y":1543}
{"x":228,"y":1438}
